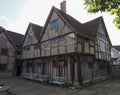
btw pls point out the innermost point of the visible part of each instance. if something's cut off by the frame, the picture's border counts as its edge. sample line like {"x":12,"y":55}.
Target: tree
{"x":109,"y":6}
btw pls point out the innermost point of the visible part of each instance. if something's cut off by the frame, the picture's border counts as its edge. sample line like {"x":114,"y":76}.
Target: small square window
{"x":3,"y":67}
{"x":36,"y":46}
{"x":4,"y":51}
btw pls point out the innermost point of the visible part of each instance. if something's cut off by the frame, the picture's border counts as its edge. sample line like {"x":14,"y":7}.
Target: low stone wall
{"x":5,"y":74}
{"x":115,"y":71}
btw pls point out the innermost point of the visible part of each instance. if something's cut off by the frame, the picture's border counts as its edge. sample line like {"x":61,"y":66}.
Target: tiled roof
{"x":1,"y":29}
{"x":15,"y":37}
{"x":92,"y":26}
{"x":37,"y":29}
{"x":117,"y":47}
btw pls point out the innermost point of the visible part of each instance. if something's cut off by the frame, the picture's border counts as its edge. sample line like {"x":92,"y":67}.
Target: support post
{"x":79,"y":69}
{"x":72,"y":69}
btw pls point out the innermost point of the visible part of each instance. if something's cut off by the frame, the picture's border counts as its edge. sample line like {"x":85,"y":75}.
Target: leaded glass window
{"x":54,"y":24}
{"x":102,"y":46}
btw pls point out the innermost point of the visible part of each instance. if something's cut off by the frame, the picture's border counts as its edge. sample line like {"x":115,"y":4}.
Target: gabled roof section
{"x":14,"y":38}
{"x":106,"y":30}
{"x":92,"y":26}
{"x":75,"y":25}
{"x":117,"y":47}
{"x":36,"y":28}
{"x":88,"y":29}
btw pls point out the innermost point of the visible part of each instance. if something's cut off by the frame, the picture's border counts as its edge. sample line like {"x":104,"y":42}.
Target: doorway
{"x":18,"y":70}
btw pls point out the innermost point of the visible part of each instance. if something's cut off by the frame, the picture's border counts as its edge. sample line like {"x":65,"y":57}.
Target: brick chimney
{"x":63,"y":6}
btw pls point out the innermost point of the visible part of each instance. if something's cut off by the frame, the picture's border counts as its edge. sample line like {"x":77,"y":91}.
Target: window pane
{"x":56,"y":40}
{"x":4,"y":51}
{"x":3,"y":67}
{"x":53,"y":24}
{"x":30,"y":35}
{"x":102,"y":46}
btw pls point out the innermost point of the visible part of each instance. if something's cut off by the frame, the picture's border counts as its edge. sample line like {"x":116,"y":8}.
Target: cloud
{"x":4,"y":18}
{"x":8,"y":24}
{"x":4,"y":21}
{"x":32,"y":12}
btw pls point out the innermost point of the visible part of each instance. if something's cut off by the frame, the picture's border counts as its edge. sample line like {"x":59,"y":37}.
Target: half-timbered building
{"x":68,"y":48}
{"x":30,"y":48}
{"x":10,"y":52}
{"x":115,"y":54}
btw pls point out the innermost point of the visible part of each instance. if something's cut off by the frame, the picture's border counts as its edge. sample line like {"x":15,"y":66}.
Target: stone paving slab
{"x":27,"y":87}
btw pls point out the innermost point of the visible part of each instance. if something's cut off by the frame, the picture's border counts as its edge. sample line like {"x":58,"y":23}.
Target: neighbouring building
{"x":64,"y":47}
{"x":115,"y":54}
{"x":10,"y":52}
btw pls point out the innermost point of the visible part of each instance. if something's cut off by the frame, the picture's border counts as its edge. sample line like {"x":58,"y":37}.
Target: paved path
{"x":26,"y":87}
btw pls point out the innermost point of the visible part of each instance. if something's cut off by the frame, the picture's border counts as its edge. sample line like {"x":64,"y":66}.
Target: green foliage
{"x":109,"y":6}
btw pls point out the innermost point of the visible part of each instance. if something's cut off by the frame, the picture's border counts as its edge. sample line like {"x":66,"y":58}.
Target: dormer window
{"x":54,"y":24}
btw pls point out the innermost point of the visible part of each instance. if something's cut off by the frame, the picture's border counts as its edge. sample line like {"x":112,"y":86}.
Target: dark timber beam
{"x":79,"y":69}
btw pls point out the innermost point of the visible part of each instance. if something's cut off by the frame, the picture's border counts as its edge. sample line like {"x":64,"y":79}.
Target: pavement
{"x":28,"y":87}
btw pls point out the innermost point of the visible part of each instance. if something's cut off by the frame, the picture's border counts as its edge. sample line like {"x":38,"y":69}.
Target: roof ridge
{"x":94,"y":19}
{"x":117,"y":47}
{"x":35,"y":24}
{"x":14,"y":32}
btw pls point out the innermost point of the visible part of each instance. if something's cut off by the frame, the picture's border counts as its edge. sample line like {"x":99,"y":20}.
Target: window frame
{"x":3,"y":67}
{"x":36,"y":46}
{"x":61,"y":63}
{"x":59,"y":39}
{"x":29,"y":36}
{"x":102,"y":46}
{"x":4,"y":51}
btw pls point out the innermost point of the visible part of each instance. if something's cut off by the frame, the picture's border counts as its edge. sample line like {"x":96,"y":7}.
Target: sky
{"x":15,"y":15}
